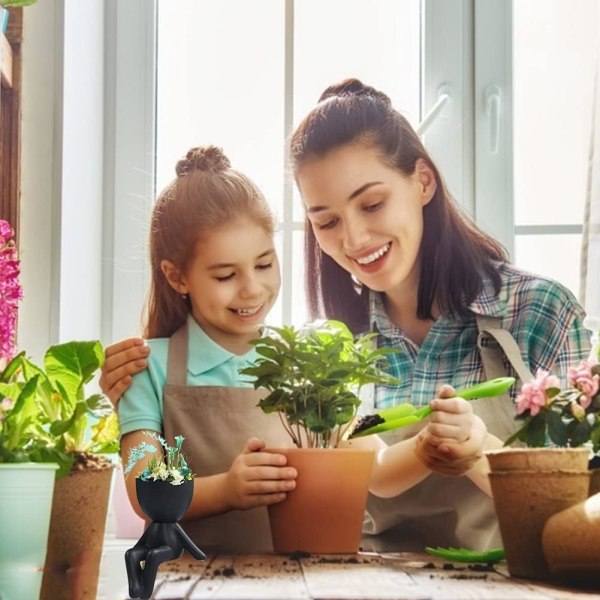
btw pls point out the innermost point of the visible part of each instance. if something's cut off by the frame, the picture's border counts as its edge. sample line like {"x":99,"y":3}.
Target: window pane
{"x":556,"y":256}
{"x":554,"y":60}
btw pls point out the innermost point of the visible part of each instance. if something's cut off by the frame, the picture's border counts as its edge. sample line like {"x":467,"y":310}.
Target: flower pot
{"x":524,"y":500}
{"x":324,"y":513}
{"x":76,"y":537}
{"x":162,"y":501}
{"x":544,"y":459}
{"x":25,"y":504}
{"x":571,"y":542}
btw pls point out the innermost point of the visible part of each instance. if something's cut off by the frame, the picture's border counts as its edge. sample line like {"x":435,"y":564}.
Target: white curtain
{"x":590,"y":255}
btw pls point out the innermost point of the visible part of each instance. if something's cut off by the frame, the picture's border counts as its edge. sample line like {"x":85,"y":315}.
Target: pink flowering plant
{"x":568,"y":417}
{"x":10,"y":291}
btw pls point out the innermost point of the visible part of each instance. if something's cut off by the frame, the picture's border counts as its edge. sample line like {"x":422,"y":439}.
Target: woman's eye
{"x":225,"y":277}
{"x":373,"y":207}
{"x":328,"y":224}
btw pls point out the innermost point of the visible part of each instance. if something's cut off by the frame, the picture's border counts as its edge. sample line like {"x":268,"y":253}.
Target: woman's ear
{"x":426,"y":178}
{"x":173,"y":276}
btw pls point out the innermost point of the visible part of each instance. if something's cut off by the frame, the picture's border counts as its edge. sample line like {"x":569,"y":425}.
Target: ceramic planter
{"x":162,"y":501}
{"x":324,"y":513}
{"x":25,"y":503}
{"x":524,"y":501}
{"x":571,"y":542}
{"x":76,"y":538}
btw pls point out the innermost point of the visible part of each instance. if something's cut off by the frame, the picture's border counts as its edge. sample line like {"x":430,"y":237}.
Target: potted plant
{"x":27,"y":466}
{"x":531,"y":484}
{"x":164,"y":490}
{"x":313,"y":376}
{"x":76,"y":432}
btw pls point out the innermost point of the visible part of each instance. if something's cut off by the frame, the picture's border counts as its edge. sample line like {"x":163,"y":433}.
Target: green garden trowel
{"x":406,"y":414}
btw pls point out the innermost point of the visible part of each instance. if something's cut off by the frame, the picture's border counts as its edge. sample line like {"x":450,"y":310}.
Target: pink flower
{"x":582,"y":379}
{"x":533,"y":394}
{"x":10,"y":290}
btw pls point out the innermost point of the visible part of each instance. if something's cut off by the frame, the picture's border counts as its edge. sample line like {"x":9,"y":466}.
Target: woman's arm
{"x":122,"y":360}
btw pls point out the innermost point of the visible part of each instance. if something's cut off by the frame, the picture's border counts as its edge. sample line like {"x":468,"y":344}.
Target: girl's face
{"x":233,"y":281}
{"x":368,"y":216}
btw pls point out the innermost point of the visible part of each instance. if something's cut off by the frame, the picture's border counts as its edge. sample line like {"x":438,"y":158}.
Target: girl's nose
{"x":250,"y":286}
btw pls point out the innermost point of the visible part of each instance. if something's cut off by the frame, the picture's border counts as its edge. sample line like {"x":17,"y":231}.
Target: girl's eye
{"x":225,"y":277}
{"x":265,"y":266}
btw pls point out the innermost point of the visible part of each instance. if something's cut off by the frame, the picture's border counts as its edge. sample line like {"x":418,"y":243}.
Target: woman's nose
{"x":356,"y":235}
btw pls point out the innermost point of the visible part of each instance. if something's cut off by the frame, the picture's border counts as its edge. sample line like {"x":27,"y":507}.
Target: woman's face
{"x":368,"y":216}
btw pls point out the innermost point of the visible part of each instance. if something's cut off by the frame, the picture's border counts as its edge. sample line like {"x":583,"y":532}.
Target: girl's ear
{"x":426,"y":178}
{"x":173,"y":276}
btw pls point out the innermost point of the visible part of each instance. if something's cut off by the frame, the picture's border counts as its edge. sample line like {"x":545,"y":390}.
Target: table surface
{"x":364,"y":576}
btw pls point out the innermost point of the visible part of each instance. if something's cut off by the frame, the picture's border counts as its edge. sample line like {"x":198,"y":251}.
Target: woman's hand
{"x":258,"y":478}
{"x":454,"y":439}
{"x":122,"y":360}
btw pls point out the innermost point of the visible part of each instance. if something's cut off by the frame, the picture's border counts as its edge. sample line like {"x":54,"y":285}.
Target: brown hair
{"x":455,"y":254}
{"x":206,"y":194}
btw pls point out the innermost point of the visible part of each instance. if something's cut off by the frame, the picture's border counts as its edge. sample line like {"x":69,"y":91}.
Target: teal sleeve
{"x":140,"y":407}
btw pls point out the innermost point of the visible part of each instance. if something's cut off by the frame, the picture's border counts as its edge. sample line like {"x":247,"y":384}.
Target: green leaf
{"x":557,"y":429}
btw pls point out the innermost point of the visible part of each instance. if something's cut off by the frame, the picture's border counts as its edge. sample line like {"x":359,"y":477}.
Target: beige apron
{"x":216,"y":423}
{"x":450,"y":511}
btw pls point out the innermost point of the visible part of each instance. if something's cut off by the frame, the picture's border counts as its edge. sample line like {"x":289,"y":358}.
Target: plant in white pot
{"x":313,"y":377}
{"x":76,"y":431}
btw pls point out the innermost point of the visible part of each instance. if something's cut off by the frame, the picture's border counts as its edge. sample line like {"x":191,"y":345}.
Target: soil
{"x":366,"y":422}
{"x":84,"y":461}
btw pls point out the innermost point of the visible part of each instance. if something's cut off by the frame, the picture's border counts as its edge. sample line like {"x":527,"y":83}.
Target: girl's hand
{"x":258,"y":478}
{"x":122,"y":360}
{"x":453,"y":441}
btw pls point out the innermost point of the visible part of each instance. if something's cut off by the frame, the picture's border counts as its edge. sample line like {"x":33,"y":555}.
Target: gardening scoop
{"x":406,"y":414}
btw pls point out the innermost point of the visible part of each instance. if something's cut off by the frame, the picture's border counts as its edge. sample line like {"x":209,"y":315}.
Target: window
{"x":497,"y":118}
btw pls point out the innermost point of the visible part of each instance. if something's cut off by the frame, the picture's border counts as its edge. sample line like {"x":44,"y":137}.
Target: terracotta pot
{"x":524,"y":500}
{"x":76,"y":537}
{"x":544,"y":459}
{"x":324,"y":514}
{"x":571,"y":542}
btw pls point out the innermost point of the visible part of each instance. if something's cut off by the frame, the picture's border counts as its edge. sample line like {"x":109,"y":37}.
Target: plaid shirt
{"x":544,"y":318}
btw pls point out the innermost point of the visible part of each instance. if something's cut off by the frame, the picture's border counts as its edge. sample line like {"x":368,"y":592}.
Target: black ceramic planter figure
{"x":164,"y":539}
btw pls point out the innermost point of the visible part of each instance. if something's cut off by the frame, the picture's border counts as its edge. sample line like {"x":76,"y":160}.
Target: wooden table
{"x":364,"y":576}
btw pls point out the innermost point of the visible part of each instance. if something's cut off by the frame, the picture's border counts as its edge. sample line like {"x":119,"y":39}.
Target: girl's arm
{"x":255,"y":478}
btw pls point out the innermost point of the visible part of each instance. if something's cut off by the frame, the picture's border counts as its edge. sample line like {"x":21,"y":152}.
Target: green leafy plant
{"x":45,"y":414}
{"x":169,"y":466}
{"x":16,"y":3}
{"x":314,"y":375}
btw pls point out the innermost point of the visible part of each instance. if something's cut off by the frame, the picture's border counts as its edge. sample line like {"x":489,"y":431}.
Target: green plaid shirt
{"x":544,"y":318}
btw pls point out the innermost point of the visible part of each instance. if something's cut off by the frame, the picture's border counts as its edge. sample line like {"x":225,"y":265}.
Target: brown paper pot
{"x":541,"y":459}
{"x":77,"y":524}
{"x":324,"y":514}
{"x":594,"y":482}
{"x":571,"y":542}
{"x":524,"y":500}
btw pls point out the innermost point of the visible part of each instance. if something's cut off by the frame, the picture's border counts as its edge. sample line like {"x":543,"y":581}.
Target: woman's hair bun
{"x":354,"y":87}
{"x":202,"y":158}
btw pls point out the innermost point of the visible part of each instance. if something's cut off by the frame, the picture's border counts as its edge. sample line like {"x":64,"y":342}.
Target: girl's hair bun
{"x":202,"y":158}
{"x":354,"y":87}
